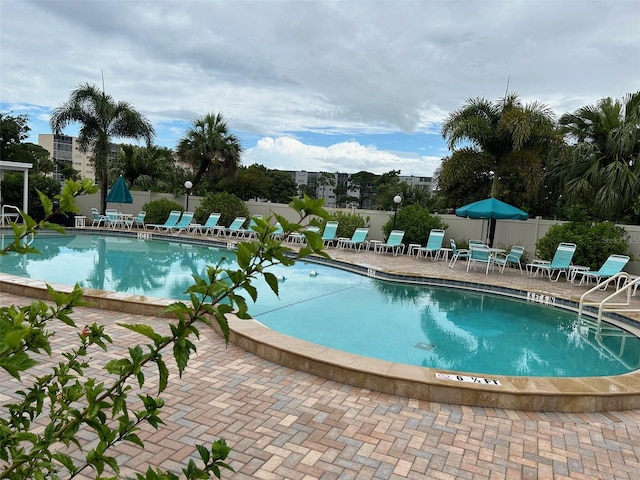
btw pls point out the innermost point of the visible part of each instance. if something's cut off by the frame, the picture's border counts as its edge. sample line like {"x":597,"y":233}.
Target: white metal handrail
{"x":605,"y":305}
{"x":9,"y":217}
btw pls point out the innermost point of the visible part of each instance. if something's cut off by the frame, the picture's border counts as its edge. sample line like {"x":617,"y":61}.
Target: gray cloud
{"x":275,"y":67}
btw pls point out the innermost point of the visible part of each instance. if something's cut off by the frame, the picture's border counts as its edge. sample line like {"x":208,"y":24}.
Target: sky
{"x":317,"y":85}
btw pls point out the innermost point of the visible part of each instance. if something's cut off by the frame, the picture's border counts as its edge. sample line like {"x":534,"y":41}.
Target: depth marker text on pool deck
{"x":468,"y":379}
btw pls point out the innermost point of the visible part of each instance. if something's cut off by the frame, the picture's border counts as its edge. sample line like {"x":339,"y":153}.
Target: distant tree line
{"x":507,"y":149}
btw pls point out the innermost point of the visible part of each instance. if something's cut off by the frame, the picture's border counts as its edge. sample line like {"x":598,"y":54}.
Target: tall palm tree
{"x":604,"y":168}
{"x":211,"y":148}
{"x":504,"y":140}
{"x":101,"y":119}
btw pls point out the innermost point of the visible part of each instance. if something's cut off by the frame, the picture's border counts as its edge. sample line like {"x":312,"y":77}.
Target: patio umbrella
{"x":119,"y":192}
{"x":493,"y":209}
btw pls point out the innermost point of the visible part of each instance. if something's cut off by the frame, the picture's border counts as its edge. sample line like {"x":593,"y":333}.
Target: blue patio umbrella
{"x":492,"y":209}
{"x":119,"y":192}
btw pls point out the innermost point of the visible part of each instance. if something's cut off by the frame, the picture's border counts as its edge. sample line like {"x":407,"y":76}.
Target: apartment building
{"x":64,"y":150}
{"x":325,"y":184}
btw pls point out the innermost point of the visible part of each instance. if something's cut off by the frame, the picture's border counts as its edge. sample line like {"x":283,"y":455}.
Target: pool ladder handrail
{"x":604,"y":305}
{"x":9,"y":217}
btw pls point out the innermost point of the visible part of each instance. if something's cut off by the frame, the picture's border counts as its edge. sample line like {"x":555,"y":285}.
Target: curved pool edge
{"x":574,"y":394}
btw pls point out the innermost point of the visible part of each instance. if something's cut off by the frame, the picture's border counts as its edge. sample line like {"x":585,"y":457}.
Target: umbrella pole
{"x":492,"y":231}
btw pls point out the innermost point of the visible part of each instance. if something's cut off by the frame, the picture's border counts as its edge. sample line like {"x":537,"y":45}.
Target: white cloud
{"x":287,"y":153}
{"x":359,"y":67}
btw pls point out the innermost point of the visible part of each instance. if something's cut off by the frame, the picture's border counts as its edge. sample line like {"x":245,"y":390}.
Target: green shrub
{"x":226,"y":204}
{"x":347,"y":223}
{"x":158,"y":210}
{"x":417,"y":222}
{"x":594,"y":242}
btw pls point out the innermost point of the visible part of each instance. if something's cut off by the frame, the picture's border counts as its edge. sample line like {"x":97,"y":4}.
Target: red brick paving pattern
{"x":283,"y":424}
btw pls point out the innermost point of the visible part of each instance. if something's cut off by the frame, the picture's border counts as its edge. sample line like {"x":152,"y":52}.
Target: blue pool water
{"x":441,"y":328}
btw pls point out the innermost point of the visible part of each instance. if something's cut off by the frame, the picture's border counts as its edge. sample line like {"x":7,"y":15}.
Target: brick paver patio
{"x":284,"y":424}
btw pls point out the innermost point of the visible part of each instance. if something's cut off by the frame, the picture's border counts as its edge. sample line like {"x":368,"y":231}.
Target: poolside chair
{"x":97,"y":218}
{"x":434,"y":244}
{"x":479,"y":254}
{"x":183,"y":224}
{"x":512,"y":258}
{"x":249,"y":231}
{"x":457,"y":253}
{"x":171,"y":221}
{"x":235,"y":228}
{"x":211,"y":225}
{"x":300,"y":237}
{"x":357,"y":240}
{"x":113,"y":219}
{"x":612,"y":266}
{"x":558,"y":265}
{"x":279,"y":231}
{"x":329,"y":233}
{"x":394,"y":243}
{"x":137,"y":221}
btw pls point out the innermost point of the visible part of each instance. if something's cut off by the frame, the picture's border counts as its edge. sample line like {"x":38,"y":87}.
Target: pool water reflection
{"x":426,"y":326}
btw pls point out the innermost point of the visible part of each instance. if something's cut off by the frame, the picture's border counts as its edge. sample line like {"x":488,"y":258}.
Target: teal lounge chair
{"x":394,"y":243}
{"x":479,"y":254}
{"x":211,"y":225}
{"x":171,"y":221}
{"x":457,"y":253}
{"x":512,"y":258}
{"x":612,"y":266}
{"x":300,"y":237}
{"x":279,"y":231}
{"x":434,"y":244}
{"x":249,"y":231}
{"x":329,"y":233}
{"x":357,"y":240}
{"x":137,"y":221}
{"x":183,"y":224}
{"x":97,"y":218}
{"x":558,"y":265}
{"x":236,"y":227}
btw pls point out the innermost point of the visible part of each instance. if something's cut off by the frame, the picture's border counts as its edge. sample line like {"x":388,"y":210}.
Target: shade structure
{"x":119,"y":192}
{"x":492,"y":209}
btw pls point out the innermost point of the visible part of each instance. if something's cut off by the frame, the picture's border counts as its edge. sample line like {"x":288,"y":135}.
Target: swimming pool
{"x":426,"y":326}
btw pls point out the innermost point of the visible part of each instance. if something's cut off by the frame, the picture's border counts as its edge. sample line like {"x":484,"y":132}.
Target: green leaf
{"x":272,"y":281}
{"x":16,"y":363}
{"x":164,"y":375}
{"x":145,"y":330}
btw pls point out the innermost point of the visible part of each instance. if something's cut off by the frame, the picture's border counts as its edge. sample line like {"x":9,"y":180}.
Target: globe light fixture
{"x":396,"y":201}
{"x":188,"y":186}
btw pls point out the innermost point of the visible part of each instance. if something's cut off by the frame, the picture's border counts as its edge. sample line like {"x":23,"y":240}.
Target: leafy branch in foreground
{"x":67,"y":400}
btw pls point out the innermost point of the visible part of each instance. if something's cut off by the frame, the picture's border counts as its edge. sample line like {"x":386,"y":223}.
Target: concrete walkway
{"x":284,"y":424}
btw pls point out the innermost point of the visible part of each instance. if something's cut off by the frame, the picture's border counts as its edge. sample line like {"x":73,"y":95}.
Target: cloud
{"x":287,"y":153}
{"x":279,"y":69}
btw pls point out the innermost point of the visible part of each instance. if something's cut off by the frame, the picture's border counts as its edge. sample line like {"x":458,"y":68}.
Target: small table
{"x":374,"y":244}
{"x":574,"y":270}
{"x":80,"y":221}
{"x":445,"y":253}
{"x":412,"y":248}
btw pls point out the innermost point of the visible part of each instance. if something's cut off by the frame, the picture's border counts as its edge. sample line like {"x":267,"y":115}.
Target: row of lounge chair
{"x":476,"y":254}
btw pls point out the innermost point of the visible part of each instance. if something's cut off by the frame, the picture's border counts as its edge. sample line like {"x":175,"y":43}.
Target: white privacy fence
{"x":508,"y":232}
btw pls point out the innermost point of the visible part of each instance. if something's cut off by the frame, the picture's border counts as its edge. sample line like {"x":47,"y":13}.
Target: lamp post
{"x":188,"y":185}
{"x":396,"y":201}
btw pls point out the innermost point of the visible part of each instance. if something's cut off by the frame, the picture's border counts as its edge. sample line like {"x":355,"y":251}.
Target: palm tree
{"x":506,"y":141}
{"x":604,"y":168}
{"x":147,"y":168}
{"x":210,"y":148}
{"x":101,"y":119}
